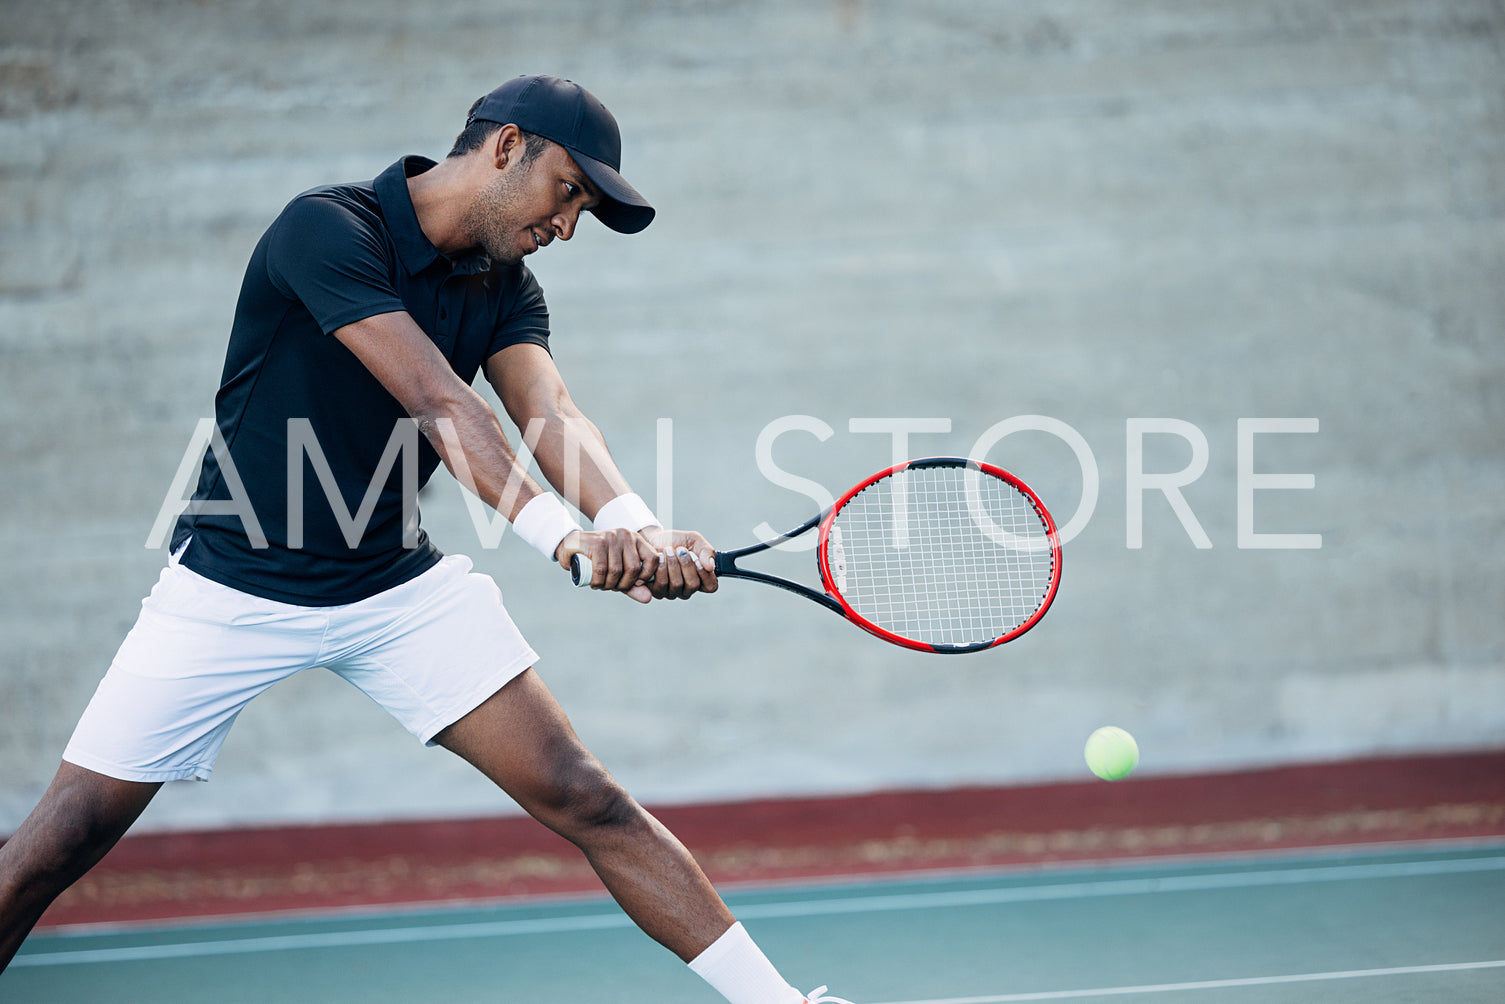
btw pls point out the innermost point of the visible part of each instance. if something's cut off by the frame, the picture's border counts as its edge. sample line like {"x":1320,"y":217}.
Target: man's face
{"x":526,"y":206}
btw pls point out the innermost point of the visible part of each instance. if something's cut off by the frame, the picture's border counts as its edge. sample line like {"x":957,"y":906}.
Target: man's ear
{"x":506,"y":146}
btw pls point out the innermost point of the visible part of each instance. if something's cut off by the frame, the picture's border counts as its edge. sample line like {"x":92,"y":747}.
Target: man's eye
{"x":571,"y":190}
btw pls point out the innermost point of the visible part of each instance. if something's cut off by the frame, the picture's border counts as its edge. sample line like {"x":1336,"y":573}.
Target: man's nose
{"x":564,"y":224}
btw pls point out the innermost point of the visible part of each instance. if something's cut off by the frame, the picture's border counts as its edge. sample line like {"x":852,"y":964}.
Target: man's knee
{"x":577,"y":795}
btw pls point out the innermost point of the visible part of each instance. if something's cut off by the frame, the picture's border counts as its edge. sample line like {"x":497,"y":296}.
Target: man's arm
{"x":570,"y":450}
{"x":464,"y":430}
{"x":573,"y":456}
{"x":413,"y":370}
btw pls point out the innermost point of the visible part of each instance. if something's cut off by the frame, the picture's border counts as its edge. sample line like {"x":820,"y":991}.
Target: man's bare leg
{"x":80,"y":817}
{"x":521,"y":739}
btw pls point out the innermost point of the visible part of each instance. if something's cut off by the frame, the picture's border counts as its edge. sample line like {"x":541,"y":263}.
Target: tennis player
{"x":365,"y":314}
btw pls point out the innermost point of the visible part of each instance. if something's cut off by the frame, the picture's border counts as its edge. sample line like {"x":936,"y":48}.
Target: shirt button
{"x":443,"y":314}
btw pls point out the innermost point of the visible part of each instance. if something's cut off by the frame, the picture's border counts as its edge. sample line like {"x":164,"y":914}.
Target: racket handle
{"x":580,"y":567}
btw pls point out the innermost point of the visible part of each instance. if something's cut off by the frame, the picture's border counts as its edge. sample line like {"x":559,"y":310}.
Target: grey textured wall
{"x":1084,"y":210}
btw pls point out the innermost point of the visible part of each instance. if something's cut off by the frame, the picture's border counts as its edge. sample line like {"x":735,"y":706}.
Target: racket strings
{"x":948,"y":556}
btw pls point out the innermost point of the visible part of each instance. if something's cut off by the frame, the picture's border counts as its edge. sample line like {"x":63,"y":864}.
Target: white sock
{"x":741,"y":973}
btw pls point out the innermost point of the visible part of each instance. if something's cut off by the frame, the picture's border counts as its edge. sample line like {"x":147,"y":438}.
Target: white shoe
{"x":816,"y":998}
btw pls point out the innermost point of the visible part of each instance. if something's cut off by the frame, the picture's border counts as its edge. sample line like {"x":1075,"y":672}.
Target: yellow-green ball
{"x":1111,"y":753}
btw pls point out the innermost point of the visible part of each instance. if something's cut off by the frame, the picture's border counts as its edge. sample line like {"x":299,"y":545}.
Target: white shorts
{"x":429,"y":651}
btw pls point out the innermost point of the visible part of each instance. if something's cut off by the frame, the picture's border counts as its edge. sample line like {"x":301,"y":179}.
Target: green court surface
{"x":1412,"y":923}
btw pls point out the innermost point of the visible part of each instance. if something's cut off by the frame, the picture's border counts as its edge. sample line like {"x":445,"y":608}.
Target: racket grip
{"x":580,"y":569}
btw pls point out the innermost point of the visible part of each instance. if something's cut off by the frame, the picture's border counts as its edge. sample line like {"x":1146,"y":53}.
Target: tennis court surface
{"x":1374,"y":881}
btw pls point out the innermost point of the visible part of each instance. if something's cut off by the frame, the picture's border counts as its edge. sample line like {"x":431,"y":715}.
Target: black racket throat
{"x":726,"y":567}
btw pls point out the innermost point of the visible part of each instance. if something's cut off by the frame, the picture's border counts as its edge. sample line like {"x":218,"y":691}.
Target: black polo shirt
{"x":334,"y":256}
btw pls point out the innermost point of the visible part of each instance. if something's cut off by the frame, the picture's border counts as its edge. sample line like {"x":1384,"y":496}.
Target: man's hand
{"x":687,"y":564}
{"x":621,"y":561}
{"x":652,"y":564}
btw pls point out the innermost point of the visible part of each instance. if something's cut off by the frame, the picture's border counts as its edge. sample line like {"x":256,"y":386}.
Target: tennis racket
{"x":940,"y":555}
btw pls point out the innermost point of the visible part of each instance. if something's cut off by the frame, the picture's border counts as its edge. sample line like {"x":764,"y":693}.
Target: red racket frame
{"x":828,"y":582}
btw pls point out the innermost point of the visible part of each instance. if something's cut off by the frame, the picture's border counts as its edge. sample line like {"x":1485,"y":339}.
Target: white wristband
{"x":627,"y":512}
{"x":543,"y":523}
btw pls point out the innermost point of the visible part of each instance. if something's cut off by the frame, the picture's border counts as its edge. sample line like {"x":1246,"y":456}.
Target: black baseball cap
{"x":568,"y":114}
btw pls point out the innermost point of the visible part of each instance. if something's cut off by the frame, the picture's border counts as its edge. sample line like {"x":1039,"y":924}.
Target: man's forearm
{"x":470,"y":441}
{"x":572,"y":455}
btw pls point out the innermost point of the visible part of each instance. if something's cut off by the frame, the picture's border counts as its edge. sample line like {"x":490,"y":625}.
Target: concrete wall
{"x":1090,"y":211}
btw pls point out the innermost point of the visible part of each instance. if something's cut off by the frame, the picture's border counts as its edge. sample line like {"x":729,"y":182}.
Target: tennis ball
{"x":1111,"y":753}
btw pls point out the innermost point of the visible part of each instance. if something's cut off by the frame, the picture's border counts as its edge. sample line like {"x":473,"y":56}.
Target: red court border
{"x":167,"y":876}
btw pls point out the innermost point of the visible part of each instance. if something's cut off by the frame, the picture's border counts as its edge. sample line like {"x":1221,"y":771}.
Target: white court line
{"x":1252,"y":981}
{"x":791,"y":908}
{"x":1119,"y":887}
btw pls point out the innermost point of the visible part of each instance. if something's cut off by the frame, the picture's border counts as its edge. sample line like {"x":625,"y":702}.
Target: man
{"x":365,"y":313}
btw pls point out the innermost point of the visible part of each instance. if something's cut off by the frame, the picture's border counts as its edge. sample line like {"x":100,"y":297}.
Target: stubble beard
{"x":491,"y":220}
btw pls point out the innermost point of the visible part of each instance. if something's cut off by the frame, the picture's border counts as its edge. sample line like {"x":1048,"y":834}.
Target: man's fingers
{"x":689,"y":574}
{"x":703,"y":557}
{"x":671,"y":580}
{"x":624,"y":565}
{"x":632,"y":563}
{"x":647,"y":558}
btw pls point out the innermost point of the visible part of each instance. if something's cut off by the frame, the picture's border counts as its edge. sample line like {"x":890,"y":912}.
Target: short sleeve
{"x":326,"y":254}
{"x":527,"y":319}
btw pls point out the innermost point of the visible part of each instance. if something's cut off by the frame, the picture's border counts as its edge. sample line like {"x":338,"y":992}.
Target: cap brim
{"x":621,"y":207}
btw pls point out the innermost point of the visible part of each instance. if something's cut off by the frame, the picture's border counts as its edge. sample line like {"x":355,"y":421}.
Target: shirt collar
{"x":413,"y":247}
{"x":416,"y":251}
